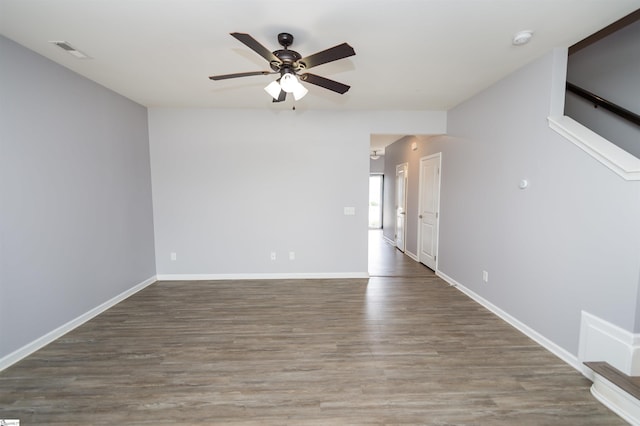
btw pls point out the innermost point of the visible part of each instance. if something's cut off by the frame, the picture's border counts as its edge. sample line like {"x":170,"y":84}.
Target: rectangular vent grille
{"x":70,"y":49}
{"x":64,"y":45}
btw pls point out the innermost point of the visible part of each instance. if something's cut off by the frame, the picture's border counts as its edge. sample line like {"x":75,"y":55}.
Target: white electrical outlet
{"x":273,"y":255}
{"x":485,"y":276}
{"x":292,"y":255}
{"x":174,"y":256}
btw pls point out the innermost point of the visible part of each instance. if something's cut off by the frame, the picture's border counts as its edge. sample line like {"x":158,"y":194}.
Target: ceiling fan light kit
{"x":288,"y":82}
{"x":288,"y":63}
{"x":299,"y":91}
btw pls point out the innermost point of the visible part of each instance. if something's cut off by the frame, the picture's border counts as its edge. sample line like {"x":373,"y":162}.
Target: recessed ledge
{"x":618,"y":160}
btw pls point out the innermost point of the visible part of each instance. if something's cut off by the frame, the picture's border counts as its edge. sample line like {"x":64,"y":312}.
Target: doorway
{"x":401,"y":206}
{"x":429,"y":209}
{"x":376,"y":185}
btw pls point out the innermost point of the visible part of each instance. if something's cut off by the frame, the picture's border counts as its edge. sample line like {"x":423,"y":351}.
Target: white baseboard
{"x":617,"y":400}
{"x":42,"y":341}
{"x":558,"y":351}
{"x":602,"y":341}
{"x":274,"y":276}
{"x":412,"y":256}
{"x":389,"y":240}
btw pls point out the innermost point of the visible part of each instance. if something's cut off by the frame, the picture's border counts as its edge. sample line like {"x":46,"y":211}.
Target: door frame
{"x":405,"y":168}
{"x":437,"y":155}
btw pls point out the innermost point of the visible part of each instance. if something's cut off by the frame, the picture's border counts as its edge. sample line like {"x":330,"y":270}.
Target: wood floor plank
{"x":400,"y":348}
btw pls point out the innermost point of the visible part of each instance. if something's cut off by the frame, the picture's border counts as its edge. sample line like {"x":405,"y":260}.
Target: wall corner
{"x":603,"y":341}
{"x":558,"y":81}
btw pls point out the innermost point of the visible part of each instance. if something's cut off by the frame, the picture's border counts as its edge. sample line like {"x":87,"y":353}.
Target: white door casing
{"x":401,"y":205}
{"x":429,"y":207}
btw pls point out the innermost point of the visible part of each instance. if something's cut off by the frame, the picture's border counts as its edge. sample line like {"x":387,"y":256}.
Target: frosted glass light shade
{"x":299,"y":92}
{"x":289,"y":82}
{"x":273,"y":89}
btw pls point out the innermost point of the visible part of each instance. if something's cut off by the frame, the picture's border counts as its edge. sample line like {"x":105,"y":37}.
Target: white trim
{"x":558,"y":351}
{"x":411,"y":255}
{"x":274,"y":276}
{"x":616,"y":399}
{"x":389,"y":240}
{"x":615,"y":158}
{"x":42,"y":341}
{"x":603,"y":341}
{"x":437,"y":155}
{"x":405,"y":168}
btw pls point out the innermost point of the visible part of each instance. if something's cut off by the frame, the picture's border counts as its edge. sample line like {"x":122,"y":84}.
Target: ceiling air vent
{"x":70,"y":49}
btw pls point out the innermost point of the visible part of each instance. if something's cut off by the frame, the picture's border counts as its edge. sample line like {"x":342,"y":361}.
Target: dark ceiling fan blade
{"x":254,"y":45}
{"x":282,"y":97}
{"x":329,"y":55}
{"x":325,"y":82}
{"x":240,"y":74}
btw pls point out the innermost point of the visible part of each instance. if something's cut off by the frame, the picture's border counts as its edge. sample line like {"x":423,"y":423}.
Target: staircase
{"x":616,"y":390}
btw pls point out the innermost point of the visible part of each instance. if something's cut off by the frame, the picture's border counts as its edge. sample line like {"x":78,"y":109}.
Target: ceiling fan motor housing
{"x":285,"y":39}
{"x":289,"y":58}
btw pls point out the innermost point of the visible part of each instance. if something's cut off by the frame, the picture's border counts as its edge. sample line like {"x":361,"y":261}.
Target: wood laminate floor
{"x":400,"y":348}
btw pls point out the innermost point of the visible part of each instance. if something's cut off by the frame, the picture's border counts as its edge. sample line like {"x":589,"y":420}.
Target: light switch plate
{"x":349,"y":211}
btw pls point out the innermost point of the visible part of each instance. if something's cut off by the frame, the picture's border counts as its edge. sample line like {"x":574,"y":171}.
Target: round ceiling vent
{"x":522,"y":37}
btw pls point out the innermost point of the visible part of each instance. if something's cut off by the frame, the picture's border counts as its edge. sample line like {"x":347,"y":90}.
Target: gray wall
{"x":231,"y":186}
{"x":397,"y":153}
{"x":610,"y":68}
{"x":377,"y":166}
{"x":226,"y":196}
{"x":569,"y":242}
{"x":76,"y":221}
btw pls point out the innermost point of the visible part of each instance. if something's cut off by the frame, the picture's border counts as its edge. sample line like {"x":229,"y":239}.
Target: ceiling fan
{"x":288,"y":63}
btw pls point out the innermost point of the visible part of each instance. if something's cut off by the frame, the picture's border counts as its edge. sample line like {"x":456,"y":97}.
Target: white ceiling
{"x":380,"y":142}
{"x":410,"y":54}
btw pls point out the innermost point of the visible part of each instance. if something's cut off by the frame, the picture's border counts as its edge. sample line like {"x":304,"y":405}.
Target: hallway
{"x":387,"y":261}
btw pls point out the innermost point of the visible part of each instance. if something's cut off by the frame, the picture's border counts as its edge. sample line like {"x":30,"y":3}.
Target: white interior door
{"x":401,"y":205}
{"x":429,"y":209}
